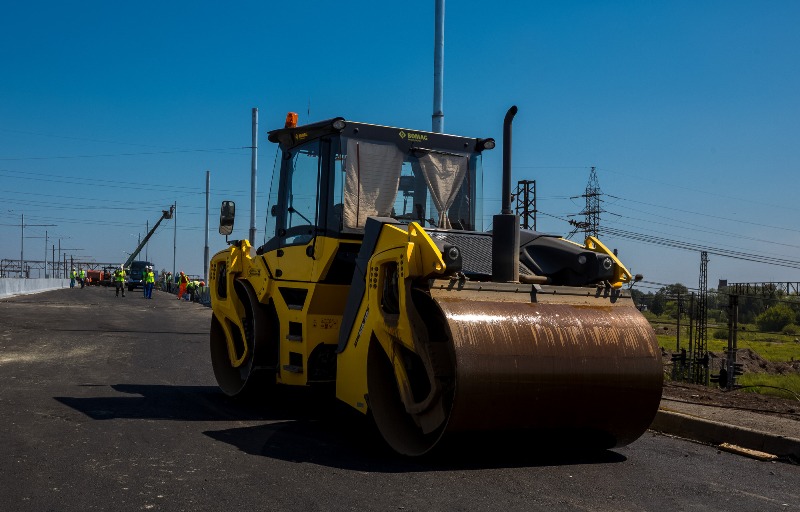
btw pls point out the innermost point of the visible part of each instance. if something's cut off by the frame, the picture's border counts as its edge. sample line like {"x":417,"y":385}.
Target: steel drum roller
{"x":569,"y":366}
{"x":553,"y":366}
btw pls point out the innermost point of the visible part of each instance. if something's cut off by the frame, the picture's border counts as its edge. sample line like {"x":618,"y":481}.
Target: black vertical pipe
{"x":505,"y":232}
{"x":507,"y":160}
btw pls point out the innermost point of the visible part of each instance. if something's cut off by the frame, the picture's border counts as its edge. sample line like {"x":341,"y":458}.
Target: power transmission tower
{"x":526,"y":203}
{"x":700,"y":347}
{"x":592,"y":210}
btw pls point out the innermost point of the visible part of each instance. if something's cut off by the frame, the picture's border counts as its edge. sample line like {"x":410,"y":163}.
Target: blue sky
{"x":689,"y":111}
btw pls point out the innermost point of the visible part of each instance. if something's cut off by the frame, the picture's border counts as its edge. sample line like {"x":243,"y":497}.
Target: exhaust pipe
{"x":505,"y":233}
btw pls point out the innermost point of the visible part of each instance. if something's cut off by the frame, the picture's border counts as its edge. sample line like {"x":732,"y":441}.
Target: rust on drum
{"x":559,"y":363}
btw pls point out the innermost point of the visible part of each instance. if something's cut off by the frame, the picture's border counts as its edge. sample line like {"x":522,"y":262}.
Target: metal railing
{"x":201,"y":294}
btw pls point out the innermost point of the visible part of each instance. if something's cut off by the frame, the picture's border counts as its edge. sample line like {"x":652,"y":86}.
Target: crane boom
{"x":165,"y":214}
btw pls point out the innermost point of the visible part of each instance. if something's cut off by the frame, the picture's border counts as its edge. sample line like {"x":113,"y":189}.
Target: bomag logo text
{"x":413,"y":136}
{"x":300,"y":136}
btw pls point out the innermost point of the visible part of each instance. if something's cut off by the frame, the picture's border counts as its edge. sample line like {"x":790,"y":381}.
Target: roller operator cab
{"x":377,"y":277}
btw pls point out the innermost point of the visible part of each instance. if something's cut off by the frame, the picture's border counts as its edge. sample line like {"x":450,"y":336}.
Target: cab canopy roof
{"x":403,"y":137}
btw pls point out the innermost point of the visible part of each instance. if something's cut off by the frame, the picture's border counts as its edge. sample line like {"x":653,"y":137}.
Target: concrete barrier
{"x":10,"y":286}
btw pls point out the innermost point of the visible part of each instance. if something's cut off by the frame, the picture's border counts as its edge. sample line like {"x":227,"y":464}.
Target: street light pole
{"x":22,"y":244}
{"x":438,"y":68}
{"x":174,"y":236}
{"x":205,"y":250}
{"x":253,"y":172}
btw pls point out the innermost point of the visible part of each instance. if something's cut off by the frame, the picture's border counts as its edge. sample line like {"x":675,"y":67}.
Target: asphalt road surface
{"x":111,"y":404}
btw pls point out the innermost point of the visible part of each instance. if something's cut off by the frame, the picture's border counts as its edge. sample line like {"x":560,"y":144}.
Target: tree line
{"x":779,"y":312}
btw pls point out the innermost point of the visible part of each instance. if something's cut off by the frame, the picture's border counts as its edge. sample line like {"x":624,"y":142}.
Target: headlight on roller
{"x":452,"y":258}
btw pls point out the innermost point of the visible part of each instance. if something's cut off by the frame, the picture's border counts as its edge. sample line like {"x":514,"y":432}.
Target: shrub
{"x":721,"y":334}
{"x":775,"y":318}
{"x":791,"y":329}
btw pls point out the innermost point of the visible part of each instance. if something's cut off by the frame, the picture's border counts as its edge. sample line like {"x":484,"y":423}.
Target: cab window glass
{"x":300,"y":198}
{"x":335,"y":217}
{"x":272,"y":200}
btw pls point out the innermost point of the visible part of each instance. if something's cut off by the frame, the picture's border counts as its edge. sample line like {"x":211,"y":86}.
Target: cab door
{"x":300,"y":203}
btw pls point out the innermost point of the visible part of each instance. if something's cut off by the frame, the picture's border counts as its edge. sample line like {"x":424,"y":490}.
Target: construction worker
{"x":194,"y":290}
{"x":183,"y":280}
{"x":119,"y":280}
{"x":149,"y":282}
{"x":82,"y":277}
{"x":189,"y":291}
{"x":72,"y":276}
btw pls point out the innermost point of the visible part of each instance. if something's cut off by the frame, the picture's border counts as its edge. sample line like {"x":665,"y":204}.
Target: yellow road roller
{"x":380,"y":280}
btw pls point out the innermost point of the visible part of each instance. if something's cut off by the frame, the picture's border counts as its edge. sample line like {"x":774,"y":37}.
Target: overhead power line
{"x":678,"y":244}
{"x":704,"y":215}
{"x":699,"y":229}
{"x":640,"y":176}
{"x":223,"y":151}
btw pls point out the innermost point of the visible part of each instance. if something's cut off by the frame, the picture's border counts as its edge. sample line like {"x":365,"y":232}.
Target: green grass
{"x":772,"y":347}
{"x":786,"y":382}
{"x":764,"y":344}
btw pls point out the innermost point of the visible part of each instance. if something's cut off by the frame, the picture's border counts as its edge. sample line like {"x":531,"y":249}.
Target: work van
{"x":136,"y":273}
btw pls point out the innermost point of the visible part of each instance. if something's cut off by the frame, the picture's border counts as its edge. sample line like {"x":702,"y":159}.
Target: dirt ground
{"x":736,"y":399}
{"x":739,"y":398}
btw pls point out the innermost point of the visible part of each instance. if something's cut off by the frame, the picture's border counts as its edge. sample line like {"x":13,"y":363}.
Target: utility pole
{"x":438,"y":68}
{"x":22,"y":243}
{"x":147,"y":245}
{"x":174,"y":236}
{"x":731,"y":367}
{"x":205,"y":251}
{"x":71,"y":259}
{"x":678,"y":332}
{"x":692,"y":316}
{"x":253,"y":172}
{"x":700,"y":354}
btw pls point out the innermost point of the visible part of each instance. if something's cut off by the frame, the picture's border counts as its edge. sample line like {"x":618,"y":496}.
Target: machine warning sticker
{"x":325,"y":323}
{"x":254,"y":272}
{"x":411,"y":136}
{"x":361,"y":329}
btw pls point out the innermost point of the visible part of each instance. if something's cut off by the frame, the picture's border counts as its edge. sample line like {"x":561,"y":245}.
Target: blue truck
{"x":136,"y":273}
